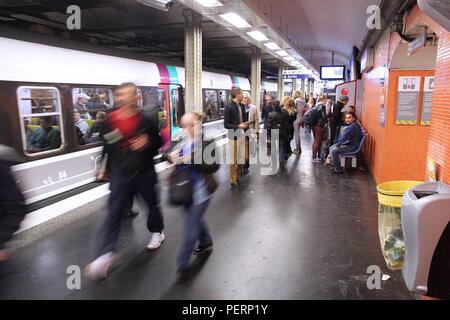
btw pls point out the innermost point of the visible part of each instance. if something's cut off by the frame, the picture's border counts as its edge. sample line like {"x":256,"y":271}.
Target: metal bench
{"x":352,"y":155}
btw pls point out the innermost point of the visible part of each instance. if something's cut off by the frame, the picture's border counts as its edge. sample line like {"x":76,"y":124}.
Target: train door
{"x":174,"y":108}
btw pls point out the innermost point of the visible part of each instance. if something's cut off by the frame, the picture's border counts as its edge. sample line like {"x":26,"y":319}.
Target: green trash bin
{"x":390,"y":195}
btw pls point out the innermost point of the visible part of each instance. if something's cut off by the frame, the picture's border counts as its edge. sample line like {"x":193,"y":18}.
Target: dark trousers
{"x":335,"y":128}
{"x":195,"y":230}
{"x":336,"y":152}
{"x":318,"y":133}
{"x":12,"y":205}
{"x":123,"y":188}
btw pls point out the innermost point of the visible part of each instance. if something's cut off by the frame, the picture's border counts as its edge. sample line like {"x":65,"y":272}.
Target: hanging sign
{"x":297,"y":74}
{"x":418,"y":43}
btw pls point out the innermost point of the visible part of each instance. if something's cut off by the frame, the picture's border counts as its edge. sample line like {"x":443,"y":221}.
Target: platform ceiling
{"x":133,"y":27}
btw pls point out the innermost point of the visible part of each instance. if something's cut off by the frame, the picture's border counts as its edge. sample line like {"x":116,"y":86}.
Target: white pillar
{"x":280,"y":80}
{"x":193,"y":61}
{"x":310,"y":86}
{"x":256,"y":78}
{"x":294,"y":86}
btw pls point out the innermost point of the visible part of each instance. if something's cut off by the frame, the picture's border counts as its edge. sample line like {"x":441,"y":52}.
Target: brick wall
{"x":386,"y":147}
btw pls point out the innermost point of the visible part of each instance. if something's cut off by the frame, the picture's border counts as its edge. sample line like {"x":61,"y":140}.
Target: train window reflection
{"x":87,"y":101}
{"x":90,"y":108}
{"x":154,"y":102}
{"x":41,"y":119}
{"x":224,"y":98}
{"x":175,"y":103}
{"x":211,"y":110}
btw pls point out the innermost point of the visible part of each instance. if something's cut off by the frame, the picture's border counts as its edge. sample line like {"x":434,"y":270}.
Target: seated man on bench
{"x":349,"y":142}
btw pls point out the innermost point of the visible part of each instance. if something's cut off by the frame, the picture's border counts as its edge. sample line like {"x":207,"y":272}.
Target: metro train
{"x":38,"y":82}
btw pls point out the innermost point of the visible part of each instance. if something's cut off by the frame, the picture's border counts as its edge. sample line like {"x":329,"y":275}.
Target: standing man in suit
{"x":234,"y":121}
{"x":252,"y":117}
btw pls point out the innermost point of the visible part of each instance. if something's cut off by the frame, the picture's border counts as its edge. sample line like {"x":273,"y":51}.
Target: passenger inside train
{"x":44,"y":138}
{"x":96,"y":132}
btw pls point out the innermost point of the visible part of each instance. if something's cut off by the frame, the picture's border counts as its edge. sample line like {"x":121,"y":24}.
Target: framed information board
{"x":427,"y":102}
{"x":408,"y":100}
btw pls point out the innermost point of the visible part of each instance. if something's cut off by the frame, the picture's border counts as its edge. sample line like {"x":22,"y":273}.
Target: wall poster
{"x":427,"y":102}
{"x":408,"y":100}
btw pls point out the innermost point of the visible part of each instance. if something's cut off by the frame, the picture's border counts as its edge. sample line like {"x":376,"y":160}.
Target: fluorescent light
{"x":258,"y":35}
{"x":282,"y":53}
{"x":210,"y":3}
{"x":272,"y":46}
{"x":235,"y":20}
{"x":292,"y":59}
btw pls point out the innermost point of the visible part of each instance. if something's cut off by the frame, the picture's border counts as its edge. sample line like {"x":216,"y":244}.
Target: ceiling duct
{"x":438,"y":10}
{"x":163,"y":5}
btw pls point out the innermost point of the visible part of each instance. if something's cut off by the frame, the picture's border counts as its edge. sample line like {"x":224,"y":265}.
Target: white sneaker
{"x":155,"y":241}
{"x":99,"y":268}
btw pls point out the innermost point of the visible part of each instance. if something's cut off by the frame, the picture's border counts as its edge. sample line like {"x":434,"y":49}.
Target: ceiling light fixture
{"x":258,"y":35}
{"x":235,"y":20}
{"x":210,"y":3}
{"x":272,"y":46}
{"x":282,"y":53}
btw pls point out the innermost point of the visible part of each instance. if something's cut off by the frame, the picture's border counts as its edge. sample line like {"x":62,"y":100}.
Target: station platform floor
{"x":304,"y":234}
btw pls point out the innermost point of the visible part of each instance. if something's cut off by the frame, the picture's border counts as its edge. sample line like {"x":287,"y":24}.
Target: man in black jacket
{"x":336,"y":118}
{"x":234,"y":121}
{"x":131,"y":141}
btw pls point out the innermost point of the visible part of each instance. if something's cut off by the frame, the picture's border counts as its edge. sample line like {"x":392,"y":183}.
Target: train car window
{"x":89,"y":100}
{"x":176,"y":110}
{"x":223,"y":100}
{"x":90,"y":108}
{"x":41,"y":119}
{"x":211,"y":108}
{"x":140,"y":98}
{"x":154,"y":101}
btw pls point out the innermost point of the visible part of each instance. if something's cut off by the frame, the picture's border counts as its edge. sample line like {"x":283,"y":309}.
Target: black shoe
{"x":234,"y":185}
{"x":245,"y":171}
{"x":203,"y":249}
{"x":132,"y":214}
{"x":181,"y":276}
{"x":337,"y":171}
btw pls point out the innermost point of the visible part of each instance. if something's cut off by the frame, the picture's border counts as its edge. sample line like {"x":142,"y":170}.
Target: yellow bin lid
{"x":391,"y":193}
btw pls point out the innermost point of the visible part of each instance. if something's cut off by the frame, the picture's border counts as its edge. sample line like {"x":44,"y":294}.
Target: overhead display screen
{"x":332,"y":72}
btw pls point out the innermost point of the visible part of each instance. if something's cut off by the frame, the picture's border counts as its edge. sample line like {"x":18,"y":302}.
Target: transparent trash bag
{"x":391,"y":236}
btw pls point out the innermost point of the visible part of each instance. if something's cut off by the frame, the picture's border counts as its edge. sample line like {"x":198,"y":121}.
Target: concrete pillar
{"x":280,"y":80}
{"x":256,"y":78}
{"x":312,"y":85}
{"x":294,"y":86}
{"x":302,"y":86}
{"x":193,"y":61}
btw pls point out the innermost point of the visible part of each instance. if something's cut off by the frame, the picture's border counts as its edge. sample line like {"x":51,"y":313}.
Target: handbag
{"x":180,"y":187}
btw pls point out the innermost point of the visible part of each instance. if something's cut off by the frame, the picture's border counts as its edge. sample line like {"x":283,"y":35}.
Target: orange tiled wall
{"x":398,"y":152}
{"x":405,"y":146}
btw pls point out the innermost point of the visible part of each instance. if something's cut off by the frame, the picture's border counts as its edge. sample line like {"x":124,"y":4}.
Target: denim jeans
{"x":123,"y":188}
{"x":336,"y":151}
{"x":195,"y":230}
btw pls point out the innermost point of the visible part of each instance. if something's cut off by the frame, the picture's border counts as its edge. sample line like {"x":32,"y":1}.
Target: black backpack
{"x":312,"y":117}
{"x":274,"y":120}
